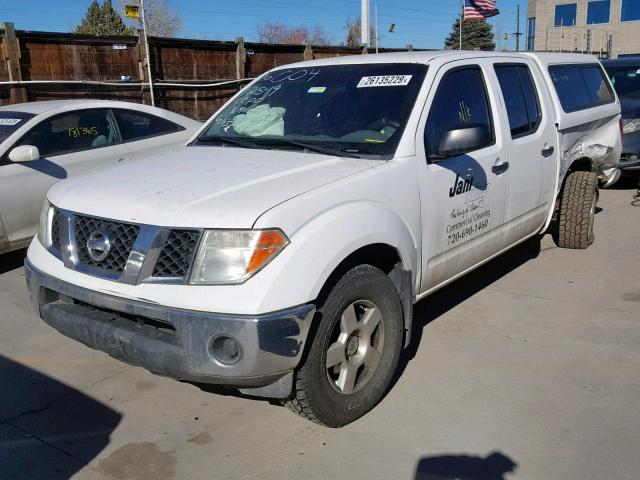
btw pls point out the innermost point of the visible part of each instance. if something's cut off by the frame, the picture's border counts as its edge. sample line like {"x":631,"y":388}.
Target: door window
{"x":136,"y":125}
{"x":520,"y":98}
{"x":72,"y":132}
{"x":460,"y":102}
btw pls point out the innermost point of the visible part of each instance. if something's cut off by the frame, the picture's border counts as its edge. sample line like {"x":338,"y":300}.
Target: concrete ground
{"x":528,"y":368}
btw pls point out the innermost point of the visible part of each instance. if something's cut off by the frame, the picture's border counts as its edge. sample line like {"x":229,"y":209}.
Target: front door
{"x":464,"y":196}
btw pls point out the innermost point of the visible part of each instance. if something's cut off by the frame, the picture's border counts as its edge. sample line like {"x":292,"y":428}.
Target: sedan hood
{"x":202,"y":186}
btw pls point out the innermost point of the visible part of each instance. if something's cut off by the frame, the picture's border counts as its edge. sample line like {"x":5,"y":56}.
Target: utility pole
{"x":377,"y":37}
{"x":365,"y":22}
{"x":517,"y":33}
{"x":146,"y":43}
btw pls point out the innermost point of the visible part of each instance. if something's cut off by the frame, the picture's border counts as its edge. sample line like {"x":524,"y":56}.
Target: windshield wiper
{"x":237,"y":142}
{"x":312,"y":147}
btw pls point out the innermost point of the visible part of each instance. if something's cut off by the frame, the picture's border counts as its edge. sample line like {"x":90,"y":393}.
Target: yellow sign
{"x":132,"y":11}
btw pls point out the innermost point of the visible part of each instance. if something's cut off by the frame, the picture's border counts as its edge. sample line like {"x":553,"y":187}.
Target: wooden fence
{"x":45,"y":56}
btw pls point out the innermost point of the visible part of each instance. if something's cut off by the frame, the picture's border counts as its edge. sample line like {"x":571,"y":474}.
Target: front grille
{"x":55,"y":230}
{"x":177,"y":254}
{"x":121,"y":235}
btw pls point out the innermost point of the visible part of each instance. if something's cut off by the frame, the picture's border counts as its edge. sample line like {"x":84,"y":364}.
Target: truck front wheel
{"x":577,"y":210}
{"x":352,"y":358}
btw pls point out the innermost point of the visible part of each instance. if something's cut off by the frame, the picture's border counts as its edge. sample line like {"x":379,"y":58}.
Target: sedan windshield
{"x":11,"y":121}
{"x":626,"y":81}
{"x":345,"y":110}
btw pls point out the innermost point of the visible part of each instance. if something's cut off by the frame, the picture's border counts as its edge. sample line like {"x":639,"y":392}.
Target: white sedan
{"x":42,"y":143}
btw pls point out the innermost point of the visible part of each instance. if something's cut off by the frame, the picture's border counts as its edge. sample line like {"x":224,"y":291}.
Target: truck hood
{"x":202,"y":186}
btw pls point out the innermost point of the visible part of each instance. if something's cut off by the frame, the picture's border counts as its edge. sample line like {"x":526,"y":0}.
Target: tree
{"x":162,"y":21}
{"x":103,"y":20}
{"x":354,"y":33}
{"x":280,"y":33}
{"x":476,"y":35}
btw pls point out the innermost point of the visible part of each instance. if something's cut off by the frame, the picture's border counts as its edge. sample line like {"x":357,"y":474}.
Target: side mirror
{"x":24,"y":153}
{"x":462,"y":140}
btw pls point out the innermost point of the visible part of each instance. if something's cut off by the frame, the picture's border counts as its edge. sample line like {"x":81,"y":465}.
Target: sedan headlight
{"x":228,"y":257}
{"x":43,"y":223}
{"x":631,"y":125}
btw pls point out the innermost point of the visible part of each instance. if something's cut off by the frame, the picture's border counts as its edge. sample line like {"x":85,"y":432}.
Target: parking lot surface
{"x":526,"y":368}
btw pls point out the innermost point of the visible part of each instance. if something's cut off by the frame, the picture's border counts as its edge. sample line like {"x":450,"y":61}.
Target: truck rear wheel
{"x":577,"y":210}
{"x":352,"y":358}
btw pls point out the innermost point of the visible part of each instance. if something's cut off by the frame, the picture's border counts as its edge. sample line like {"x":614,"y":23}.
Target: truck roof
{"x":427,"y":57}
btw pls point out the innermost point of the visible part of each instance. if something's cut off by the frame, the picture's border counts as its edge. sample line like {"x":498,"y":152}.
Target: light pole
{"x":146,"y":44}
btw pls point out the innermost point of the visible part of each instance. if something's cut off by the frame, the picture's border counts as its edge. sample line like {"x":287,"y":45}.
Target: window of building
{"x":630,"y":10}
{"x":565,"y":15}
{"x":598,"y":12}
{"x":580,"y":86}
{"x":531,"y":33}
{"x":460,"y":102}
{"x":520,"y":98}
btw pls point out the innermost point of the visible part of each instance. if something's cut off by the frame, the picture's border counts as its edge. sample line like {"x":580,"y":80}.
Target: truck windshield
{"x":626,"y":81}
{"x":345,"y":110}
{"x":11,"y":121}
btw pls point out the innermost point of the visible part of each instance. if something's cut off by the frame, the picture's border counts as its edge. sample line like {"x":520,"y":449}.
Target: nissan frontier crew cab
{"x":280,"y":252}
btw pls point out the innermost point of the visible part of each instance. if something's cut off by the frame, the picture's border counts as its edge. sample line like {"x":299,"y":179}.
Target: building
{"x":607,"y":28}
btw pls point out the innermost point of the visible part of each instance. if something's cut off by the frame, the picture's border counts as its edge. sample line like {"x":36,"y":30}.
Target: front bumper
{"x":177,"y":342}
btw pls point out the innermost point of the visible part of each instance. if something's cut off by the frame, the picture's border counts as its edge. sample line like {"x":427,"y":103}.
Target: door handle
{"x":500,"y":168}
{"x":547,"y":151}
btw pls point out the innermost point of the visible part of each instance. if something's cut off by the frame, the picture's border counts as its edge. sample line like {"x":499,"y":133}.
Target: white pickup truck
{"x":280,"y":252}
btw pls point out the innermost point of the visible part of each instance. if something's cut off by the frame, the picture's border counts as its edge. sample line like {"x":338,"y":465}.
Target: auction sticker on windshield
{"x":385,"y":81}
{"x":10,"y":121}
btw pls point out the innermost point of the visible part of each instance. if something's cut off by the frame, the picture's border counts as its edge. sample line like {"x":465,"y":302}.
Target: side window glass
{"x":519,"y":97}
{"x":580,"y":86}
{"x":460,"y":102}
{"x":72,"y":132}
{"x":136,"y":125}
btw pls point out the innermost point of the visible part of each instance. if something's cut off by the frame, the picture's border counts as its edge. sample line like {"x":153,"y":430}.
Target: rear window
{"x":581,"y":86}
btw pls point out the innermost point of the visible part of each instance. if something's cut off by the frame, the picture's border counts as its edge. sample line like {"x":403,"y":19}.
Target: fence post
{"x":241,"y":58}
{"x":11,"y":51}
{"x":308,"y":52}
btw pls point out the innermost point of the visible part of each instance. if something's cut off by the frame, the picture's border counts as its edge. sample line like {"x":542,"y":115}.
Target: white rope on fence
{"x":123,"y":84}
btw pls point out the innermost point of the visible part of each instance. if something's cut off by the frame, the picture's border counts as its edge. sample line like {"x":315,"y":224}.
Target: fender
{"x":329,"y":237}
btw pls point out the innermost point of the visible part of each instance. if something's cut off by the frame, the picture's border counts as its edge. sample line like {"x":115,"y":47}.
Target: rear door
{"x":70,"y":143}
{"x":533,"y":150}
{"x":464,"y":197}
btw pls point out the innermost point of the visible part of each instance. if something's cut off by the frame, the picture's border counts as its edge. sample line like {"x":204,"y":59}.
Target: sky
{"x":422,"y":23}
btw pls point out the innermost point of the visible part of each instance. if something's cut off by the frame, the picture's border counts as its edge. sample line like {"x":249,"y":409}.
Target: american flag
{"x":479,"y":9}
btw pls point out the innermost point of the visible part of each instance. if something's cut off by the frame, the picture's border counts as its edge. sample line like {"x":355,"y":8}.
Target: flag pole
{"x":460,"y":23}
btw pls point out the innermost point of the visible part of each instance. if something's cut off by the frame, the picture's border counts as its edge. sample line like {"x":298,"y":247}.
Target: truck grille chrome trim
{"x":123,"y":252}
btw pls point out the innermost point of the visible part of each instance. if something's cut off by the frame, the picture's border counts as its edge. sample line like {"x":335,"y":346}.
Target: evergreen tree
{"x":476,"y":35}
{"x":103,"y":20}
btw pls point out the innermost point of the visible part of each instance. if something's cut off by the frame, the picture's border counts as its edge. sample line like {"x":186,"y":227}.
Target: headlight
{"x":43,"y":224}
{"x":631,"y":125}
{"x":232,"y":256}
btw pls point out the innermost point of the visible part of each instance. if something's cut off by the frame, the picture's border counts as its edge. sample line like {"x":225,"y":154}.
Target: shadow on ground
{"x":465,"y":467}
{"x":12,"y":260}
{"x":48,"y":429}
{"x":443,"y":300}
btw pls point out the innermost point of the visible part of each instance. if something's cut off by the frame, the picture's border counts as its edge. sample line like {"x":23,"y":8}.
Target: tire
{"x":337,"y":395}
{"x":577,"y":210}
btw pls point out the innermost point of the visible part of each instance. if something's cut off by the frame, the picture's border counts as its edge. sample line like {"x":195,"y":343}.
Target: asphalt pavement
{"x":528,"y":368}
